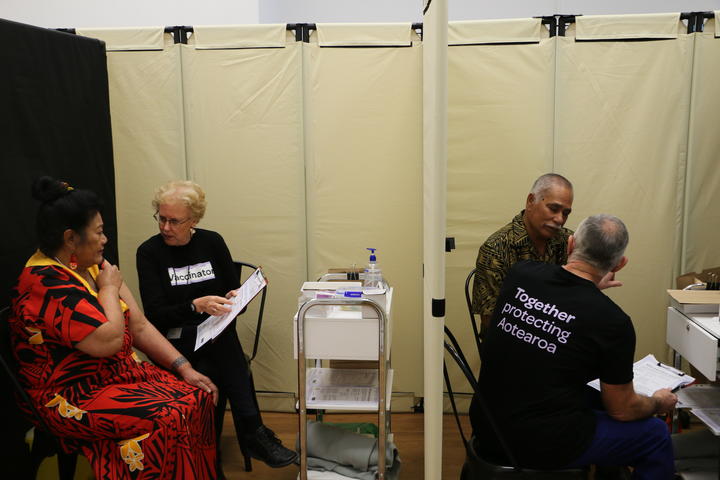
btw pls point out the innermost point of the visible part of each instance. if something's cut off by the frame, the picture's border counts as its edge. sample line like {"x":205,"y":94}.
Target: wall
{"x":93,"y":13}
{"x":104,"y":13}
{"x":272,"y":11}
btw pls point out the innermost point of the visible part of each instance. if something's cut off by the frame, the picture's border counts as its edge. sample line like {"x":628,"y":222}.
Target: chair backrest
{"x":239,"y":266}
{"x":9,"y":365}
{"x":468,"y":302}
{"x":453,"y":348}
{"x":476,"y":467}
{"x":7,"y":359}
{"x":44,"y":444}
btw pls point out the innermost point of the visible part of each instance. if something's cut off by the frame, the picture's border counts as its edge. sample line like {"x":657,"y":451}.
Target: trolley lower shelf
{"x":345,"y":389}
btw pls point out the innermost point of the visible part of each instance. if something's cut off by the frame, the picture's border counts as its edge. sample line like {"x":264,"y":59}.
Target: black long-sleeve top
{"x":172,"y":276}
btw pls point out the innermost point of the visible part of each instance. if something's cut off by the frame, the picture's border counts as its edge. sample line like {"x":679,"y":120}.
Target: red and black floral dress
{"x":131,"y":419}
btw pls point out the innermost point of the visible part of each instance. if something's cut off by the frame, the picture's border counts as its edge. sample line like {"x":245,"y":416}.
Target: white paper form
{"x":343,"y":387}
{"x":342,"y":396}
{"x":215,"y":324}
{"x":350,"y":377}
{"x":649,"y":376}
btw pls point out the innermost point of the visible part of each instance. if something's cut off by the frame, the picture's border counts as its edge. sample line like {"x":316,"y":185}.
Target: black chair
{"x":44,"y":444}
{"x":239,"y":266}
{"x":222,"y":399}
{"x":475,"y":466}
{"x":468,"y":302}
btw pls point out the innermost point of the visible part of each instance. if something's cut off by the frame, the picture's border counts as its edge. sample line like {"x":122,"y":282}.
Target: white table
{"x":695,"y":336}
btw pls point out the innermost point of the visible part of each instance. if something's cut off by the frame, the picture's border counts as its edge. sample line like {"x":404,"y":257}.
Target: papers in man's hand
{"x":214,"y":325}
{"x":649,"y":376}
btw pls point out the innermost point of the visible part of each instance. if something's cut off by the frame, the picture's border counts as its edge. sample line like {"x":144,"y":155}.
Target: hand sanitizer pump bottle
{"x":373,"y":274}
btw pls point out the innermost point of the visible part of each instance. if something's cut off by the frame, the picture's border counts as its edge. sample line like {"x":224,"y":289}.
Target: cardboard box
{"x":695,"y":301}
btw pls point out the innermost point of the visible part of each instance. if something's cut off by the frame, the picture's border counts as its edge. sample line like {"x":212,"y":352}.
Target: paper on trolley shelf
{"x":346,"y":396}
{"x":215,"y":324}
{"x":342,"y":387}
{"x":358,"y":377}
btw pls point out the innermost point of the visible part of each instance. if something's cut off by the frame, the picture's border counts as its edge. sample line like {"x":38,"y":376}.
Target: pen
{"x":672,"y":369}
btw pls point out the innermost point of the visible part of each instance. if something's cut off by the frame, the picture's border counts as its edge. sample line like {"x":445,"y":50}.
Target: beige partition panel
{"x":148,"y":133}
{"x":621,"y":137}
{"x":363,"y":121}
{"x":500,"y":136}
{"x":702,"y":199}
{"x":243,"y":111}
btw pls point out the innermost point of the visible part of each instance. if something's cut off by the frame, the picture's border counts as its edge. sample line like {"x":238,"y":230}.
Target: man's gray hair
{"x":600,"y":240}
{"x":546,"y":182}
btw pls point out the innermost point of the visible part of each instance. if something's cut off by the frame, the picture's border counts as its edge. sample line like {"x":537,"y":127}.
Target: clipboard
{"x":215,"y":324}
{"x":649,"y":376}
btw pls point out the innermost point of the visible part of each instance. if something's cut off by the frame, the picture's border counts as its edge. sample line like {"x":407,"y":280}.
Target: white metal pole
{"x":434,"y":206}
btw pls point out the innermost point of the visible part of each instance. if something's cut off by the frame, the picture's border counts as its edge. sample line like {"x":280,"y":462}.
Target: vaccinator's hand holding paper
{"x":215,"y":324}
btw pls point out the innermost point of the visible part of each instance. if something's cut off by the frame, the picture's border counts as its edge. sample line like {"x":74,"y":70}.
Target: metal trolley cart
{"x":320,"y":336}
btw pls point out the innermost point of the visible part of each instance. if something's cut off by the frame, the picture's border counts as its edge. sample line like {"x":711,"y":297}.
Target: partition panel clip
{"x":306,"y":31}
{"x":449,"y":244}
{"x":551,"y":23}
{"x":299,"y":29}
{"x":179,"y":32}
{"x":690,"y":18}
{"x":562,"y":23}
{"x":700,"y":18}
{"x":418,"y":27}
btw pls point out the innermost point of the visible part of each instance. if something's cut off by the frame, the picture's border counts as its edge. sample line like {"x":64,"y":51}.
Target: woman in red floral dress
{"x":73,"y":328}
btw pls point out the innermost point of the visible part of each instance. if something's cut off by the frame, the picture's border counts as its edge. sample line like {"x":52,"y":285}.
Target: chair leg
{"x":247,"y":458}
{"x":66,"y":465}
{"x":35,"y":461}
{"x":464,"y":472}
{"x":43,"y":446}
{"x":243,"y":447}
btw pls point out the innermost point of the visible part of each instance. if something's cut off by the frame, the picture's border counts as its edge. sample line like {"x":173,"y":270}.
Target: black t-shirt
{"x":551,"y":333}
{"x":172,"y":276}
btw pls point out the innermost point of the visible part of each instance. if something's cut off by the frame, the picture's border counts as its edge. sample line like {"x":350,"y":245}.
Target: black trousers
{"x":223,"y":360}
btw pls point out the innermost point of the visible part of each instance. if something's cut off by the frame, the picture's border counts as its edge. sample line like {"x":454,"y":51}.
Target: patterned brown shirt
{"x":500,"y":251}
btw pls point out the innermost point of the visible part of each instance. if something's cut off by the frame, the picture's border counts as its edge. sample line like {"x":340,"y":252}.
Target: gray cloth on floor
{"x":697,"y":454}
{"x":331,"y":448}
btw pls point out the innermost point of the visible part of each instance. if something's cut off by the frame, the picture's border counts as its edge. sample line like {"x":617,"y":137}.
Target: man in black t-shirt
{"x":552,"y":332}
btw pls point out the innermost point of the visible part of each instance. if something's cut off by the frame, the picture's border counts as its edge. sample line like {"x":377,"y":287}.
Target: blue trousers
{"x":644,"y":445}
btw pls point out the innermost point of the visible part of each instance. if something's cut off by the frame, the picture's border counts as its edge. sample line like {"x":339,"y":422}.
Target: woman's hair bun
{"x":47,"y":189}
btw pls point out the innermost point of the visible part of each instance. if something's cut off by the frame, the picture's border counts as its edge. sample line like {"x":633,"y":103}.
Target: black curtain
{"x":54,"y":120}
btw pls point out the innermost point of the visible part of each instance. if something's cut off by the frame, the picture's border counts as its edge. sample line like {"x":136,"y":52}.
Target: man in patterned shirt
{"x":536,"y":233}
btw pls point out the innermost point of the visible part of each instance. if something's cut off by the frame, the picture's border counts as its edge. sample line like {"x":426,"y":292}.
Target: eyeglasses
{"x":173,"y":222}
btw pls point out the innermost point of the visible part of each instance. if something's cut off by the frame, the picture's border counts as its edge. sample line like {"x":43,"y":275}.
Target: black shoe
{"x":266,"y":447}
